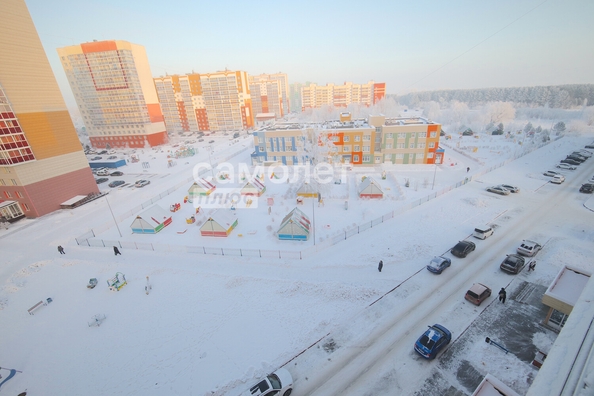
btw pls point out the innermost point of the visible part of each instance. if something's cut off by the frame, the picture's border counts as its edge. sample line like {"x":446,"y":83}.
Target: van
{"x":482,"y":232}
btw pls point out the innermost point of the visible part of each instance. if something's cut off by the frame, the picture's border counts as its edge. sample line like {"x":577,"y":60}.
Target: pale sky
{"x":410,"y":45}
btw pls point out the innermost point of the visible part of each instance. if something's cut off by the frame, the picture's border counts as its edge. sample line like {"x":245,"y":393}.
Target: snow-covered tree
{"x":500,"y":112}
{"x":559,"y":127}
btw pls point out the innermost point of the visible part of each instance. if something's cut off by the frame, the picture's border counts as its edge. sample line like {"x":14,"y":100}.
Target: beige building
{"x":315,"y":96}
{"x":276,"y":97}
{"x":41,"y":159}
{"x":114,"y":90}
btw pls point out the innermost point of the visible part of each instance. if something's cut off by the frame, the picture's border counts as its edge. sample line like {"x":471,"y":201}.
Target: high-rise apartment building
{"x":41,"y":160}
{"x":218,"y":101}
{"x":270,"y":94}
{"x":314,"y":96}
{"x":114,"y":89}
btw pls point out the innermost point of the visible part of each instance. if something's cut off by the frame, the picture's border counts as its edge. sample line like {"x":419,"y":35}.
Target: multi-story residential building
{"x":114,"y":89}
{"x":266,"y":98}
{"x":218,"y":101}
{"x":41,"y":160}
{"x":288,"y":144}
{"x":276,"y":98}
{"x":314,"y":96}
{"x":377,"y":140}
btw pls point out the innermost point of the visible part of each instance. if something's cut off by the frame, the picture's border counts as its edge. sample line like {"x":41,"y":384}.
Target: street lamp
{"x":114,"y":220}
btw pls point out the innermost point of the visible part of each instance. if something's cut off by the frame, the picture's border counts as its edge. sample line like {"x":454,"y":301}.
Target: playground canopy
{"x":254,"y":187}
{"x":219,"y":224}
{"x":151,"y":221}
{"x":369,"y":188}
{"x":308,"y":190}
{"x":295,"y":226}
{"x":200,"y":187}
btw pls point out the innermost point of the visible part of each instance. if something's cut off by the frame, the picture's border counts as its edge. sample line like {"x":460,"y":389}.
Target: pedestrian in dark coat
{"x":380,"y":266}
{"x":61,"y":250}
{"x":116,"y":251}
{"x":502,"y":295}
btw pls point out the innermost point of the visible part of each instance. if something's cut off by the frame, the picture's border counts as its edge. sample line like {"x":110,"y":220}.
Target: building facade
{"x":273,"y":90}
{"x":287,"y":144}
{"x":315,"y":96}
{"x":194,"y":102}
{"x":41,"y":159}
{"x":114,"y":90}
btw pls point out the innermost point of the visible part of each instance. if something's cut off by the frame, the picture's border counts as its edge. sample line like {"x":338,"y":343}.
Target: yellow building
{"x":41,"y":159}
{"x":114,"y":90}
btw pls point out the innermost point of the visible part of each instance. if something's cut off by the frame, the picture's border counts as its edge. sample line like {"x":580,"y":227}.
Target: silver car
{"x":529,"y":248}
{"x":498,"y":190}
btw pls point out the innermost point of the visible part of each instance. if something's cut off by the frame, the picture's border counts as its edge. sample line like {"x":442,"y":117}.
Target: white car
{"x":103,"y":172}
{"x":142,"y":183}
{"x":566,"y":166}
{"x":529,"y":248}
{"x":551,"y":173}
{"x":498,"y":190}
{"x":558,"y":179}
{"x":279,"y":383}
{"x":482,"y":232}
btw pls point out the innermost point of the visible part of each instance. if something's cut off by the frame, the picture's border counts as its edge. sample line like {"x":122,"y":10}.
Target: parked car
{"x":211,"y":141}
{"x":101,"y":180}
{"x":551,"y":173}
{"x":579,"y":155}
{"x":482,"y":232}
{"x":570,"y":161}
{"x":279,"y":383}
{"x":116,"y":183}
{"x":462,"y":249}
{"x":438,"y":264}
{"x":558,"y":179}
{"x":587,"y":188}
{"x":478,"y":293}
{"x":432,"y":341}
{"x":576,"y":158}
{"x":566,"y":166}
{"x":589,"y":146}
{"x":142,"y":183}
{"x":236,"y":135}
{"x":529,"y":248}
{"x":467,"y":132}
{"x":513,"y":263}
{"x":102,"y":172}
{"x":201,"y":140}
{"x":116,"y":173}
{"x":512,"y":189}
{"x":585,"y":153}
{"x":102,"y":152}
{"x":96,"y":158}
{"x":112,"y":157}
{"x":498,"y":190}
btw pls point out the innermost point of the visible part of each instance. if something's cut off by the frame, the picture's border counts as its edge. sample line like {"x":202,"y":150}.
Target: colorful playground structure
{"x":117,"y":282}
{"x":175,"y":207}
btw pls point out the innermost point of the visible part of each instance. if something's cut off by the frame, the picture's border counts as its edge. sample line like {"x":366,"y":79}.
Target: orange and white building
{"x":114,"y":90}
{"x":315,"y":96}
{"x":269,"y":94}
{"x":218,"y":101}
{"x":41,"y":159}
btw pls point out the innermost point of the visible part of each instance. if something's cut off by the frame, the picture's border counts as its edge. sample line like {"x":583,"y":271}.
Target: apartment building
{"x":315,"y":96}
{"x":276,"y":97}
{"x":41,"y":159}
{"x":182,"y":103}
{"x":114,"y":90}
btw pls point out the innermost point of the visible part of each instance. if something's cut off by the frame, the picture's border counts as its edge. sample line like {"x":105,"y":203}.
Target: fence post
{"x":240,"y":253}
{"x":222,"y":252}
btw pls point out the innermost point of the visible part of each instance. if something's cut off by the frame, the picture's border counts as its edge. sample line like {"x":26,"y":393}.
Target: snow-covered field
{"x":213,"y":324}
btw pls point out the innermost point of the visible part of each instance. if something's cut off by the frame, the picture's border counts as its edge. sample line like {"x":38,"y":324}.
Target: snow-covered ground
{"x":213,"y":324}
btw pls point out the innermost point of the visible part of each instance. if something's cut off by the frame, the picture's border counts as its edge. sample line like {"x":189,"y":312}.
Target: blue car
{"x":438,"y":264}
{"x":432,"y":341}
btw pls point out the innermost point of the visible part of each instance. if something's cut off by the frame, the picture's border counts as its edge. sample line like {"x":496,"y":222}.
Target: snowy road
{"x":383,"y":362}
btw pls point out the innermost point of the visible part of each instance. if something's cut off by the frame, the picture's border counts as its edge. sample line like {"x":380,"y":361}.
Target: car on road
{"x":142,"y":183}
{"x":566,"y":166}
{"x":587,"y":188}
{"x":570,"y":161}
{"x":116,"y":173}
{"x":478,"y":293}
{"x":462,"y":249}
{"x":116,"y":183}
{"x":438,"y":264}
{"x":512,"y":189}
{"x":279,"y":383}
{"x":513,"y":263}
{"x":482,"y":232}
{"x":557,"y":179}
{"x":101,"y":180}
{"x":529,"y":248}
{"x":551,"y":173}
{"x":498,"y":190}
{"x":432,"y":341}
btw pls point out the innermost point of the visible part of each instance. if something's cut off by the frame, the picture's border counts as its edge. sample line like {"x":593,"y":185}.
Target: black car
{"x":116,"y":173}
{"x":589,"y":146}
{"x":116,"y":183}
{"x":570,"y":161}
{"x":576,"y":158}
{"x":462,"y":249}
{"x":513,"y":263}
{"x":101,"y":180}
{"x":468,"y":132}
{"x":587,"y":188}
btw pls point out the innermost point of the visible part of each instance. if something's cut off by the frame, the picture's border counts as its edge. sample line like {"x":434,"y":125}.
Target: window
{"x":366,"y":158}
{"x":18,"y":193}
{"x":2,"y":182}
{"x":347,"y":139}
{"x":402,"y":135}
{"x":388,"y":145}
{"x":399,"y":156}
{"x":420,"y":155}
{"x":388,"y":136}
{"x":378,"y":159}
{"x":356,"y":148}
{"x":7,"y":194}
{"x":429,"y":155}
{"x":411,"y":145}
{"x":355,"y":158}
{"x":432,"y":134}
{"x":401,"y":145}
{"x":366,"y":138}
{"x":431,"y":145}
{"x":365,"y":149}
{"x":334,"y":138}
{"x":357,"y":138}
{"x":421,"y":145}
{"x":26,"y":207}
{"x":346,"y":149}
{"x":388,"y":158}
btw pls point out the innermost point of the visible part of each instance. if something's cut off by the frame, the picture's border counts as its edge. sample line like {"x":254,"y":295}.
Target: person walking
{"x":467,"y":169}
{"x":116,"y":251}
{"x":532,"y":266}
{"x":380,"y":266}
{"x":61,"y":250}
{"x":502,"y":295}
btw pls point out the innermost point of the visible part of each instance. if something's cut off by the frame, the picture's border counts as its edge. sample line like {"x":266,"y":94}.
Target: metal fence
{"x":90,"y":239}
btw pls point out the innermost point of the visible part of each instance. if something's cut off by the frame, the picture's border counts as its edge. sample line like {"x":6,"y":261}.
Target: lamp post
{"x":210,"y":161}
{"x":313,"y":209}
{"x":114,"y":220}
